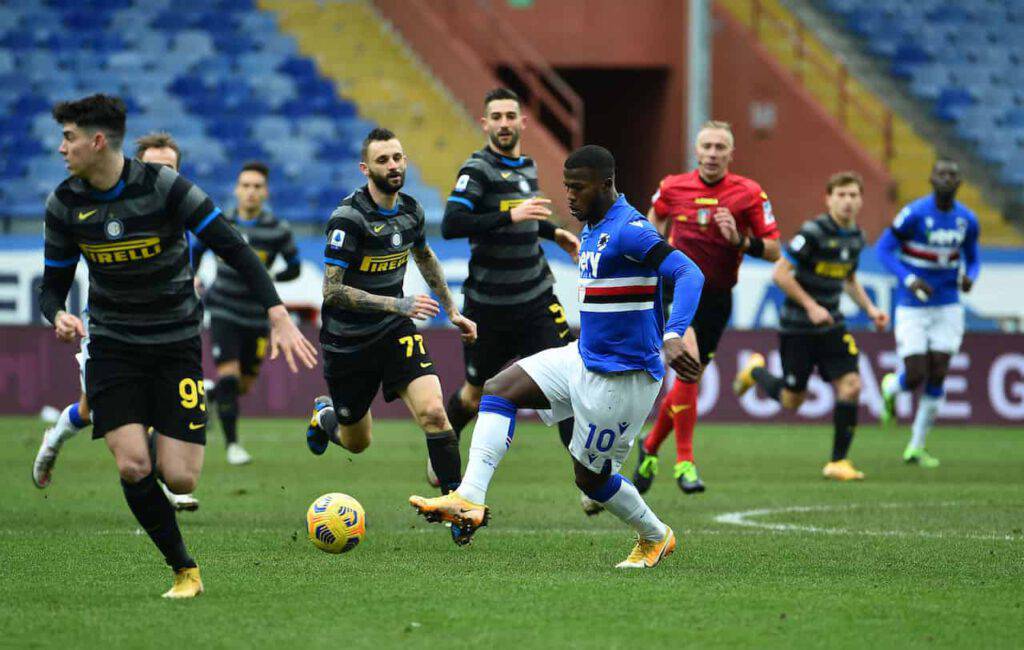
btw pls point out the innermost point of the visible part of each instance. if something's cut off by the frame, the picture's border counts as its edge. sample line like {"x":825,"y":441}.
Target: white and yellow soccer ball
{"x":336,"y":523}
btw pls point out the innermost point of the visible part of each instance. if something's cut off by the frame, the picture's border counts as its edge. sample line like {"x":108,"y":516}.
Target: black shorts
{"x":234,"y":342}
{"x":710,"y":321}
{"x":394,"y":360}
{"x":508,"y":333}
{"x":159,"y":386}
{"x":834,"y":353}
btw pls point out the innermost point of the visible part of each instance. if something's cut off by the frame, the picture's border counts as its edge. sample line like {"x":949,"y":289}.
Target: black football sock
{"x":565,"y":428}
{"x":227,"y":407}
{"x":844,"y":418}
{"x":458,"y":415}
{"x":156,"y":516}
{"x":443,"y":449}
{"x":769,"y":383}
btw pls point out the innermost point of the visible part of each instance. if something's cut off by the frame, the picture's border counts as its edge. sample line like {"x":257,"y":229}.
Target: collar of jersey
{"x":246,"y":223}
{"x":112,"y":193}
{"x":508,"y":162}
{"x":840,"y":229}
{"x":619,"y":205}
{"x":379,"y":210}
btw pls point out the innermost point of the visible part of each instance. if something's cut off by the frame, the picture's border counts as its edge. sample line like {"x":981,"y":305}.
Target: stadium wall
{"x":629,"y":66}
{"x":985,"y":385}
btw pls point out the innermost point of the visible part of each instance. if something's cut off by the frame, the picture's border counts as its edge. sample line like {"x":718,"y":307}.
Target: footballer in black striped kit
{"x":368,"y":336}
{"x":238,"y":322}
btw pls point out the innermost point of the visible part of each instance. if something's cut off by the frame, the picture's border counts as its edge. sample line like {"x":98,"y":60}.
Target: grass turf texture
{"x":909,"y":557}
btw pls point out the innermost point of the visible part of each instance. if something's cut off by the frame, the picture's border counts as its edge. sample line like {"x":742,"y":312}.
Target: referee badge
{"x":114,"y":229}
{"x":703,"y":216}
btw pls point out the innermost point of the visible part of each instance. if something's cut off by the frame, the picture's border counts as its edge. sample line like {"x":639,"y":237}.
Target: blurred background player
{"x":715,"y":217}
{"x":818,"y":265}
{"x":932,"y":249}
{"x":159,"y":148}
{"x":509,"y":289}
{"x":238,"y":323}
{"x":144,"y":366}
{"x":368,"y":335}
{"x":622,"y":263}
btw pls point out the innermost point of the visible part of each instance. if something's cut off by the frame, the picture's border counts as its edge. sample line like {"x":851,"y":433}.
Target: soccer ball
{"x":336,"y":523}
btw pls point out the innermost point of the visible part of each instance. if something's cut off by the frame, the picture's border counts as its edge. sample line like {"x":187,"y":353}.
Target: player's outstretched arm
{"x":338,"y":294}
{"x":433,"y":274}
{"x":856,"y":291}
{"x":680,"y":342}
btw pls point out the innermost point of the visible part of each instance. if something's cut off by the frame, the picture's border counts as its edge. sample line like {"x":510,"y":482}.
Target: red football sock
{"x":662,"y":426}
{"x":685,"y":419}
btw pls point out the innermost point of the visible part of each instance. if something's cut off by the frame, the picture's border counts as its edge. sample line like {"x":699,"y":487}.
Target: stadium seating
{"x":217,"y":74}
{"x":964,"y":57}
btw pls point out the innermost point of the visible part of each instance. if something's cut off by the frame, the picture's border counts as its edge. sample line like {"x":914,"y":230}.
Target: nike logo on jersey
{"x":193,"y":426}
{"x":379,"y":228}
{"x":425,"y":365}
{"x":678,"y":408}
{"x":563,"y":334}
{"x":82,"y":216}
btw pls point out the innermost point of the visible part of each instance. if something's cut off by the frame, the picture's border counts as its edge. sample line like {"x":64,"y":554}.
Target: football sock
{"x":565,"y":428}
{"x":684,"y":420}
{"x":443,"y":449}
{"x":156,"y":516}
{"x":458,"y":415}
{"x":492,"y":435}
{"x":844,"y":419}
{"x":68,"y":424}
{"x":769,"y":383}
{"x":227,"y":407}
{"x":924,"y":419}
{"x":662,"y":425}
{"x":620,"y":497}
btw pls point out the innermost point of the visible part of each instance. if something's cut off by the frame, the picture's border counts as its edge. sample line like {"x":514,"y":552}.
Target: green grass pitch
{"x":908,"y":558}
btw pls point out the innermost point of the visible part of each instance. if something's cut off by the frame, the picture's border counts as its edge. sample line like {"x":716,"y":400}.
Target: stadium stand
{"x":218,"y":74}
{"x":965,"y":58}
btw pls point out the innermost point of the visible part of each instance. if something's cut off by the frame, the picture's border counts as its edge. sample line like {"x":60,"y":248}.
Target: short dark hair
{"x":378,"y":134}
{"x":256,"y":166}
{"x":500,"y":93}
{"x":102,"y":112}
{"x":157,"y":140}
{"x":841,"y":179}
{"x":592,"y":156}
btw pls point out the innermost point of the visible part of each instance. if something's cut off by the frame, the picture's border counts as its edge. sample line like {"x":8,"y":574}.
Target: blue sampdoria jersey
{"x":621,"y":321}
{"x":934,"y":246}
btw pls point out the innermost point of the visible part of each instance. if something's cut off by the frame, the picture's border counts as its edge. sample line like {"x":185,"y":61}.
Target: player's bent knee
{"x":185,"y":483}
{"x":355,"y":442}
{"x":792,"y":400}
{"x":848,"y":388}
{"x":433,"y":418}
{"x":133,"y":468}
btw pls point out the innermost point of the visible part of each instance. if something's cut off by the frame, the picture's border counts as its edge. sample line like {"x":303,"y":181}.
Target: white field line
{"x":745,"y":518}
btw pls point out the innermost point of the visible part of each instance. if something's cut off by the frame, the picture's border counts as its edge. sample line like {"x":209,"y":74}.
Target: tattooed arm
{"x":337,"y":294}
{"x":430,"y":269}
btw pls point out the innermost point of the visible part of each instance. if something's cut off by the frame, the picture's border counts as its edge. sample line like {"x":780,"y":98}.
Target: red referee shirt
{"x":690,"y":204}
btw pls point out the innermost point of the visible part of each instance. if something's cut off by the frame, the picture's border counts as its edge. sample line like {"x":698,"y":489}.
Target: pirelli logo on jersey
{"x":836,"y":270}
{"x":383,"y":263}
{"x":511,"y":203}
{"x":132,"y":250}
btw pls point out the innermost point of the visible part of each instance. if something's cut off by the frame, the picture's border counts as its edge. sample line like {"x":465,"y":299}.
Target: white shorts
{"x":920,"y":330}
{"x":83,"y":354}
{"x":610,"y":409}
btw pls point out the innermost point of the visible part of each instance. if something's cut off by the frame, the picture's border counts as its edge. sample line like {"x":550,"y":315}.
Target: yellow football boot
{"x":842,"y":470}
{"x":187,"y":584}
{"x":464,"y":516}
{"x":745,"y":378}
{"x":646,"y":554}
